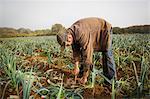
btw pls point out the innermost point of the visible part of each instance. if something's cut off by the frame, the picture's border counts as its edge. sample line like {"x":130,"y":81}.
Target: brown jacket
{"x":90,"y":34}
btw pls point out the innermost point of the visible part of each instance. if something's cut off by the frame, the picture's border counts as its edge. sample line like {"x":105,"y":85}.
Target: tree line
{"x":23,"y":32}
{"x":58,"y":28}
{"x":142,"y":29}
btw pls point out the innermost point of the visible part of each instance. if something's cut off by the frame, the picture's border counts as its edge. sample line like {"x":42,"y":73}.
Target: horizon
{"x":42,"y":14}
{"x":65,"y":27}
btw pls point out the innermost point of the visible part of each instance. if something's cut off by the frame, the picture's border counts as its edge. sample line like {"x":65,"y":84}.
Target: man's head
{"x":64,"y":40}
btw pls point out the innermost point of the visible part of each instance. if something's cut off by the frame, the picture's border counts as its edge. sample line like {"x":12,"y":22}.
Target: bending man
{"x":86,"y":36}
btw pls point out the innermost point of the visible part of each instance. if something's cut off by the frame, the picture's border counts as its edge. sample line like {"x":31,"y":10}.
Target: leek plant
{"x":9,"y":64}
{"x":113,"y":89}
{"x":26,"y":80}
{"x":143,"y":74}
{"x":60,"y":89}
{"x":93,"y":73}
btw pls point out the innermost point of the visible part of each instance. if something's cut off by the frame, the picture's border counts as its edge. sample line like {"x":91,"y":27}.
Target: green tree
{"x":57,"y":28}
{"x":117,"y":30}
{"x":23,"y":30}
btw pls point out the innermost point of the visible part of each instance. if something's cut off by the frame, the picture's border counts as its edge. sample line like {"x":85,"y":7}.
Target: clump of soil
{"x":97,"y":92}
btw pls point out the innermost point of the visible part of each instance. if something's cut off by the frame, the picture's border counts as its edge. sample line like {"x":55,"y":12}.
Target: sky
{"x":41,"y":14}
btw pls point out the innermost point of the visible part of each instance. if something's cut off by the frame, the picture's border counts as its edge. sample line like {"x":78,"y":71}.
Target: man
{"x":86,"y":36}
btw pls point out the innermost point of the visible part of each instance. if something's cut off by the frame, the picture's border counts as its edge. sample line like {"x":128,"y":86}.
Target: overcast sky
{"x":39,"y":14}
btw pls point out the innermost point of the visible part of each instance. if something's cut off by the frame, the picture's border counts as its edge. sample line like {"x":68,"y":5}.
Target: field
{"x":34,"y":67}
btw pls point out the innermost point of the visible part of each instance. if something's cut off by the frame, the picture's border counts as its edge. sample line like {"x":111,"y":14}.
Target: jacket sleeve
{"x":87,"y":52}
{"x":76,"y":52}
{"x":86,"y":48}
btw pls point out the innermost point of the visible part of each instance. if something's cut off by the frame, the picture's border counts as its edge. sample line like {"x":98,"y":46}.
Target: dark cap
{"x":61,"y":39}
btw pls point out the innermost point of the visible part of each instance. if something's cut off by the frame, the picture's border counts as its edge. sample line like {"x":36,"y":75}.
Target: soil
{"x":55,"y":73}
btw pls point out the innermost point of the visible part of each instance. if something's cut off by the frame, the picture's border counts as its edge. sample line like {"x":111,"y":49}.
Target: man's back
{"x":92,"y":30}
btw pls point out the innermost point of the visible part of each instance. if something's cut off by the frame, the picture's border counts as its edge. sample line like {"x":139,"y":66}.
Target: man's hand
{"x":83,"y":80}
{"x":76,"y":68}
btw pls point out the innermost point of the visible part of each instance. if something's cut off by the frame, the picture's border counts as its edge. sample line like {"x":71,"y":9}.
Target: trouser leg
{"x":108,"y":64}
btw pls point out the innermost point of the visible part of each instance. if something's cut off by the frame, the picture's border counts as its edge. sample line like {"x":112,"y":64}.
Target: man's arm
{"x":87,"y":55}
{"x":76,"y":57}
